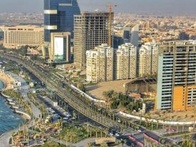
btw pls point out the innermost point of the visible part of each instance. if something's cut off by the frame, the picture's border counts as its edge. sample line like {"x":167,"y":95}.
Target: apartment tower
{"x":125,"y":61}
{"x":99,"y":64}
{"x":106,"y":64}
{"x":176,"y":76}
{"x":148,"y":59}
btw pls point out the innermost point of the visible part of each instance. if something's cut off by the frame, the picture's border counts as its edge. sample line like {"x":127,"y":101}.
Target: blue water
{"x":8,"y":119}
{"x":1,"y":85}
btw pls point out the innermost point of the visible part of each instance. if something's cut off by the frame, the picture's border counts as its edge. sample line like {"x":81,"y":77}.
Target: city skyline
{"x":166,"y":7}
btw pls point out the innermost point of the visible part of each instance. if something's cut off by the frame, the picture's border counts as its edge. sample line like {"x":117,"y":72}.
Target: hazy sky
{"x":180,"y":7}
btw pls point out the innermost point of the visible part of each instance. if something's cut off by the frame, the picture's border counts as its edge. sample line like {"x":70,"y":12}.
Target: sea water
{"x":8,"y":119}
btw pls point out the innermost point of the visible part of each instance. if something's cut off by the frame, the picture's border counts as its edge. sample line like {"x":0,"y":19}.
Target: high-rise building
{"x":116,"y":41}
{"x":135,"y":35}
{"x":59,"y":16}
{"x":127,"y":35}
{"x":17,"y":36}
{"x":148,"y":54}
{"x":99,"y":64}
{"x":176,"y":88}
{"x":90,"y":30}
{"x":125,"y":61}
{"x":106,"y":64}
{"x":60,"y":47}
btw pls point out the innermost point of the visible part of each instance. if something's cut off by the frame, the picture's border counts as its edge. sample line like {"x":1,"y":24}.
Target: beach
{"x":7,"y":80}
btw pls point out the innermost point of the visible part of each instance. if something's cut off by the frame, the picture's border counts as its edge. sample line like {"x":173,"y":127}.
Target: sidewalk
{"x":4,"y":138}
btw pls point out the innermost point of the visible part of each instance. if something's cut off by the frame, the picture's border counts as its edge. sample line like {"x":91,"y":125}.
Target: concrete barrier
{"x":23,"y":113}
{"x":4,"y":95}
{"x":165,"y":122}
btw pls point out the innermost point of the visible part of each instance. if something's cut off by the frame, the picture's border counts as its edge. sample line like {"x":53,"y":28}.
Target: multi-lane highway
{"x":71,"y":99}
{"x":64,"y":95}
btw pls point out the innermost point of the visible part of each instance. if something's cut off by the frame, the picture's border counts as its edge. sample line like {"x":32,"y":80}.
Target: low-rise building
{"x":17,"y":36}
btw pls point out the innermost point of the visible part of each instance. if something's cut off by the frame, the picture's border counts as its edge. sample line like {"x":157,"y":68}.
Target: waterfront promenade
{"x":24,"y":88}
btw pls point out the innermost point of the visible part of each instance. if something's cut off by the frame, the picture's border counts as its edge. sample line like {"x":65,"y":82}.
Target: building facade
{"x":125,"y":62}
{"x":60,"y":47}
{"x":99,"y":64}
{"x":17,"y":36}
{"x":90,"y":30}
{"x":135,"y":35}
{"x":176,"y":88}
{"x":106,"y":64}
{"x":59,"y":16}
{"x":148,"y":59}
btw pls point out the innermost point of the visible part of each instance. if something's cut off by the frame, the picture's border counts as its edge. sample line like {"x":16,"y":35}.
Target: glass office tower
{"x":59,"y":16}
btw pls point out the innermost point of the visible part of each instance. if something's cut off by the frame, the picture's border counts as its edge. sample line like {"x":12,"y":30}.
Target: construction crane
{"x":110,"y":11}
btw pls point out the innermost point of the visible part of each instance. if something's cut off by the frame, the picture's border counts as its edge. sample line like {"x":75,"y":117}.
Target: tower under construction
{"x":91,"y":29}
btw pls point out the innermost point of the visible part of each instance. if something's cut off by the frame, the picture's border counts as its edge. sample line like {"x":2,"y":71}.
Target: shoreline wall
{"x":15,"y":110}
{"x":7,"y":80}
{"x":6,"y":96}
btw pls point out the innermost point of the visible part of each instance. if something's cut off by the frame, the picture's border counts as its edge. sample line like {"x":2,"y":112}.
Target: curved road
{"x":68,"y":97}
{"x":72,"y":100}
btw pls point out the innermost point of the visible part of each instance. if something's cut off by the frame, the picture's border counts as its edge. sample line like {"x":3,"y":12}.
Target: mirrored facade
{"x":59,"y":16}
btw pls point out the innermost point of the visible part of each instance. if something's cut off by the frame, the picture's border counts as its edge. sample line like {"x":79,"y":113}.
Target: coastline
{"x":7,"y":80}
{"x":24,"y":115}
{"x":8,"y":83}
{"x":24,"y":88}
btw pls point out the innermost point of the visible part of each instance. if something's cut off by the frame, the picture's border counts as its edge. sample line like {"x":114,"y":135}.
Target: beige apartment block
{"x":148,"y":59}
{"x":91,"y":65}
{"x":125,"y":60}
{"x":17,"y":36}
{"x":99,"y":64}
{"x":106,"y":64}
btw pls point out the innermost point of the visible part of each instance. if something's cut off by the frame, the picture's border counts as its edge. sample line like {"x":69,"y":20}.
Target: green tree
{"x":115,"y":104}
{"x":82,"y":87}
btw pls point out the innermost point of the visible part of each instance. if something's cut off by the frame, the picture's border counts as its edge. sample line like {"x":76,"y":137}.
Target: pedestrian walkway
{"x":24,"y":89}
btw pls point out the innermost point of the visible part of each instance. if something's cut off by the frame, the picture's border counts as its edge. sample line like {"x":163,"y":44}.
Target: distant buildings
{"x":135,"y":35}
{"x":90,"y":30}
{"x":17,"y":36}
{"x":126,"y":35}
{"x":106,"y":64}
{"x":148,"y":54}
{"x":176,"y":88}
